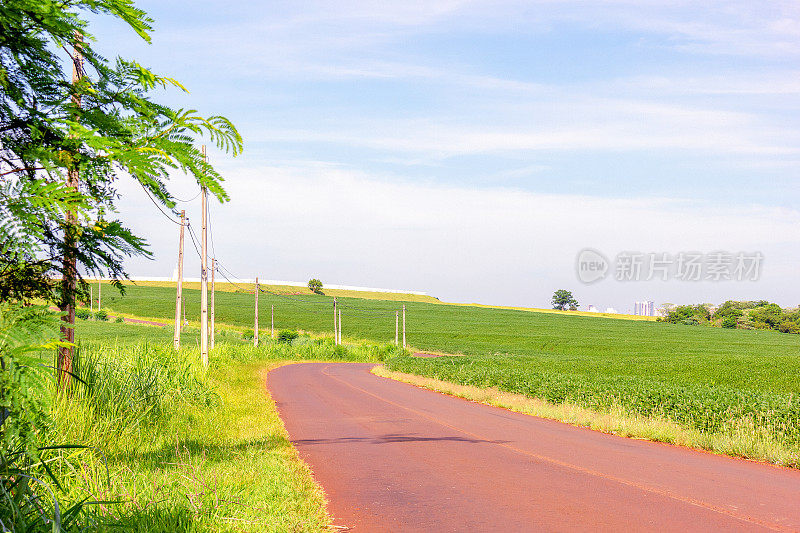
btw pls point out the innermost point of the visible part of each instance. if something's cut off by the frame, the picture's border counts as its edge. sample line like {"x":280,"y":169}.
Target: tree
{"x":64,"y":143}
{"x":690,"y":315}
{"x":315,"y":286}
{"x":563,"y":299}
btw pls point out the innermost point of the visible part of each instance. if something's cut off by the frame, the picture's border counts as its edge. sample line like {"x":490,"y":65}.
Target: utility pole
{"x":335,"y":324}
{"x":176,"y":339}
{"x":340,"y":326}
{"x":396,"y":327}
{"x":204,"y":278}
{"x":272,"y":311}
{"x":99,"y":295}
{"x":255,"y":326}
{"x":213,"y":269}
{"x":91,"y":298}
{"x":404,"y":326}
{"x":68,"y":261}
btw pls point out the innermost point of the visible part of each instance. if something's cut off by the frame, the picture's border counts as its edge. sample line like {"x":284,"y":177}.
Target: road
{"x":393,"y":457}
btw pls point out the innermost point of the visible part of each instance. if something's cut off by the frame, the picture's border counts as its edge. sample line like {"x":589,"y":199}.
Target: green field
{"x":582,"y":346}
{"x":742,"y":387}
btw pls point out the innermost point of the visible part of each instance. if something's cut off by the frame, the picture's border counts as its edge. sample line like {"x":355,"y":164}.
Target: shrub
{"x":247,"y":335}
{"x":83,"y":313}
{"x":102,"y":314}
{"x":730,"y":321}
{"x":119,"y":320}
{"x":688,"y":314}
{"x":766,"y":316}
{"x":287,"y":335}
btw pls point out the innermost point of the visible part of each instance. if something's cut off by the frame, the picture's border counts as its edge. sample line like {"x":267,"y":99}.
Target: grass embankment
{"x":224,"y":286}
{"x":678,"y":407}
{"x":188,"y":449}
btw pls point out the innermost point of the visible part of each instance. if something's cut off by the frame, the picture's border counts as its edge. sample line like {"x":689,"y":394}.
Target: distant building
{"x":645,"y":308}
{"x":593,"y":309}
{"x":611,"y":311}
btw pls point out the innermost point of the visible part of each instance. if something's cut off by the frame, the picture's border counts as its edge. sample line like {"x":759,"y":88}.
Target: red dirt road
{"x":392,"y":457}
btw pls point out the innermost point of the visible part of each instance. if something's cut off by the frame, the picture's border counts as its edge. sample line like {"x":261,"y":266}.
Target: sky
{"x":472,"y":149}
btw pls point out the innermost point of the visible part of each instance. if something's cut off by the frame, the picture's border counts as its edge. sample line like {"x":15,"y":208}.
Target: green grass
{"x":575,"y":345}
{"x":187,"y":448}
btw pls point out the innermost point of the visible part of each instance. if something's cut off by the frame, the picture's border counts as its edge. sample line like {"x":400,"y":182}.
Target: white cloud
{"x":583,"y":123}
{"x":496,"y":245}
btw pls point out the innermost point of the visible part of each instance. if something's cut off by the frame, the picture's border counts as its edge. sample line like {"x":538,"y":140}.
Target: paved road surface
{"x":392,"y":457}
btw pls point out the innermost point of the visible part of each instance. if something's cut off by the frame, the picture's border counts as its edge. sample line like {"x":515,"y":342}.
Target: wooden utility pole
{"x":404,"y":326}
{"x":91,"y":298}
{"x":99,"y":295}
{"x":335,"y":324}
{"x":213,"y":269}
{"x":204,"y":276}
{"x":396,"y":326}
{"x":340,"y":326}
{"x":68,"y":261}
{"x":272,"y":326}
{"x":176,"y":339}
{"x":255,"y":323}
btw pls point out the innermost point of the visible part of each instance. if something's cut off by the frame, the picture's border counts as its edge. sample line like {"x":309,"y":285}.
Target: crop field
{"x":570,"y":345}
{"x":713,"y":380}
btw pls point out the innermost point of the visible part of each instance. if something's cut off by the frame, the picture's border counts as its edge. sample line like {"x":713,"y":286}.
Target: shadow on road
{"x":393,"y":438}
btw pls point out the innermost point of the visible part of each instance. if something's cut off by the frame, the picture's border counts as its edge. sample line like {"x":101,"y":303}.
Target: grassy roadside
{"x":174,"y":447}
{"x":766,"y":432}
{"x":223,"y":463}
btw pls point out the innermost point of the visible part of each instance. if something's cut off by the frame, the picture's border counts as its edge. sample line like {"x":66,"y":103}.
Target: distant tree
{"x":767,"y":316}
{"x":563,"y":299}
{"x":315,"y":286}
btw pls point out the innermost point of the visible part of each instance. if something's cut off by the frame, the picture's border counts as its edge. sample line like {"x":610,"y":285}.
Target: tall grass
{"x":189,"y":448}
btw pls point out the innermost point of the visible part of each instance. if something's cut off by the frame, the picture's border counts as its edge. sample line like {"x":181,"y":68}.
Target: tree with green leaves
{"x":315,"y":286}
{"x":66,"y":139}
{"x":563,"y":299}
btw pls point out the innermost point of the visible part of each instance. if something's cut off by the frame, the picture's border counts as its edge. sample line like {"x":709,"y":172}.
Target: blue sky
{"x":471,"y":149}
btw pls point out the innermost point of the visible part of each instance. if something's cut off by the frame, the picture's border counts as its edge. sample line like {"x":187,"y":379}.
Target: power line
{"x":229,"y":280}
{"x":211,"y":231}
{"x":158,"y":206}
{"x":194,"y":240}
{"x":196,"y":196}
{"x":300,"y":301}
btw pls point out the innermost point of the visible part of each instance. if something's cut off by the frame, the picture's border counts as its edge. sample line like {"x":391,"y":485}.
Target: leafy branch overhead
{"x":105,"y":125}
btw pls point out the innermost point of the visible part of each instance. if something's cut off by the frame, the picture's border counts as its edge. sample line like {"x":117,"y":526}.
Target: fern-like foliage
{"x":105,"y":126}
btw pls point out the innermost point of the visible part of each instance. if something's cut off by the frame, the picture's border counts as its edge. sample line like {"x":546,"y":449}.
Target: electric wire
{"x":177,"y":222}
{"x":211,"y":230}
{"x":196,"y":196}
{"x":192,"y":236}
